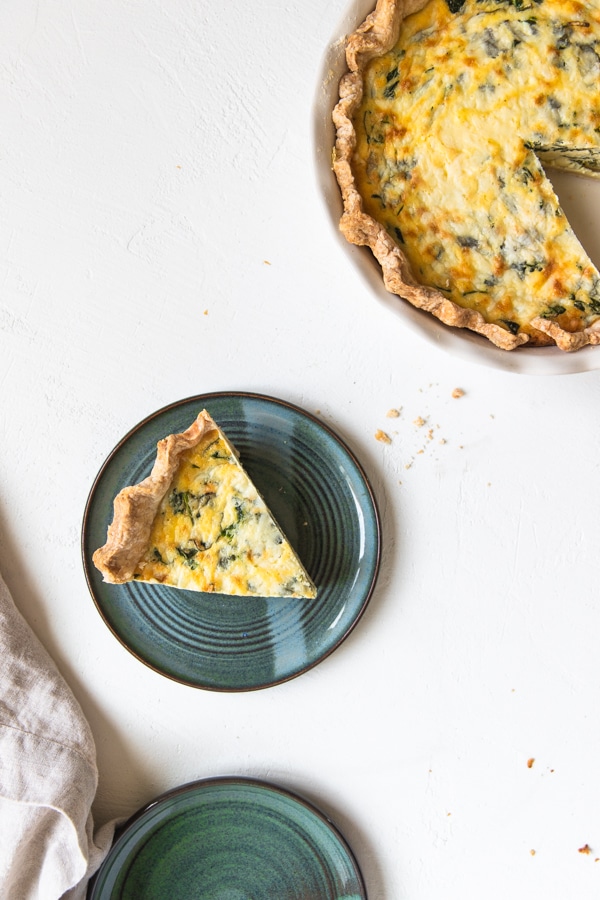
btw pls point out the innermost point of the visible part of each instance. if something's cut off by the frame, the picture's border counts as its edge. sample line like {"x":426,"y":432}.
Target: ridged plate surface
{"x":229,"y":839}
{"x":319,"y":494}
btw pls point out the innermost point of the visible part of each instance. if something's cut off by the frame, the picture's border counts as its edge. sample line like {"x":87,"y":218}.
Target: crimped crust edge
{"x":135,"y":507}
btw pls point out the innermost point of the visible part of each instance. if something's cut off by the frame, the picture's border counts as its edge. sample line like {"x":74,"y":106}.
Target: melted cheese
{"x":213,"y":532}
{"x":452,"y":131}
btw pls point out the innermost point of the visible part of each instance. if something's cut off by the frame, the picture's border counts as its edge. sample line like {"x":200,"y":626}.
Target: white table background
{"x":161,"y":235}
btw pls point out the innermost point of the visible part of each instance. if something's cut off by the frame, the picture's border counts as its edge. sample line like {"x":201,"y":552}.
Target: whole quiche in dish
{"x":448,"y":116}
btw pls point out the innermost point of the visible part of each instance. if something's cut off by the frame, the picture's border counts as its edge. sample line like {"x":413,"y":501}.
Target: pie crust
{"x":135,"y":507}
{"x":376,"y":36}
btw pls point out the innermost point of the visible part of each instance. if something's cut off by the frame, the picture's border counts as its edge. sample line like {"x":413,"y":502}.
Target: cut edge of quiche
{"x":146,"y":513}
{"x":374,"y":37}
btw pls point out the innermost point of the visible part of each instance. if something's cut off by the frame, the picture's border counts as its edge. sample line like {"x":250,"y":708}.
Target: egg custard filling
{"x":447,"y":117}
{"x":198,"y":523}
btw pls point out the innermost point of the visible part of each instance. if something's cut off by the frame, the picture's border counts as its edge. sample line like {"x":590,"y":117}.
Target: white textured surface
{"x":157,"y":163}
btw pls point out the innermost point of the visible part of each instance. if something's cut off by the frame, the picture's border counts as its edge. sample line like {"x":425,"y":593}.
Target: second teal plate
{"x":229,"y":839}
{"x":322,"y":499}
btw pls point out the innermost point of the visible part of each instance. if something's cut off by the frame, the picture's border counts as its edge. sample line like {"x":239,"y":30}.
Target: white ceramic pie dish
{"x":580,"y":199}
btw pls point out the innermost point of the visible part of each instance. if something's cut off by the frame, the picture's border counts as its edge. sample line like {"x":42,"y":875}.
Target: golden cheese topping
{"x":455,"y":125}
{"x":213,"y":532}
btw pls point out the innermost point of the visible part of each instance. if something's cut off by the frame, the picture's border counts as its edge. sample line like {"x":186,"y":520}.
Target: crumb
{"x":442,"y":440}
{"x":430,"y":434}
{"x":457,"y":393}
{"x":530,"y":762}
{"x":408,"y":465}
{"x":317,"y":412}
{"x":177,"y":167}
{"x":266,"y":262}
{"x":532,"y":852}
{"x":419,"y":421}
{"x":420,"y":451}
{"x":393,"y":413}
{"x":585,"y":849}
{"x":383,"y":437}
{"x":205,"y":312}
{"x":489,"y":484}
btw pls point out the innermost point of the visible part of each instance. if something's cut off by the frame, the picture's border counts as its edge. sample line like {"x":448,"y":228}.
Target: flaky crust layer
{"x":135,"y":507}
{"x":374,"y":37}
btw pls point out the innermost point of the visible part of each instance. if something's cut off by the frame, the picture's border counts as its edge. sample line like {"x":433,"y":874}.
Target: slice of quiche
{"x":447,"y":116}
{"x":197,"y":522}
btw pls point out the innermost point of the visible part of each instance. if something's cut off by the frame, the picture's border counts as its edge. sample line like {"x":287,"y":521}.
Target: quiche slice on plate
{"x":197,"y":522}
{"x":447,"y":116}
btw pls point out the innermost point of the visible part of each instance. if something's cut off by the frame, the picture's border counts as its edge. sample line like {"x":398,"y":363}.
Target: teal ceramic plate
{"x":320,"y":495}
{"x":229,"y":839}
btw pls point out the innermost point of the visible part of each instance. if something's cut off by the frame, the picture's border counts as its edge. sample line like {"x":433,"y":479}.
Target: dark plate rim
{"x":122,"y":831}
{"x":206,"y":399}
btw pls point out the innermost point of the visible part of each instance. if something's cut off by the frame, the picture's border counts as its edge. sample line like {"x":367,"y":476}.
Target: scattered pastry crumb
{"x":266,"y":262}
{"x":382,"y":436}
{"x":530,"y":762}
{"x":585,"y":849}
{"x":177,"y":167}
{"x":419,"y":422}
{"x":330,"y":75}
{"x":205,"y":312}
{"x":532,"y":852}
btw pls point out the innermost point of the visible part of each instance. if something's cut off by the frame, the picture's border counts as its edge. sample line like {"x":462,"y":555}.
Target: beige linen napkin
{"x":48,"y":773}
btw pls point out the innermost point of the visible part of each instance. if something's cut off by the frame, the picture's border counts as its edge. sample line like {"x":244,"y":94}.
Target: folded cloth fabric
{"x":48,"y":773}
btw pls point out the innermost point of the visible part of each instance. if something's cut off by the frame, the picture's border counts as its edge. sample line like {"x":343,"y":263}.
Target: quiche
{"x":197,"y":522}
{"x":448,"y":116}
